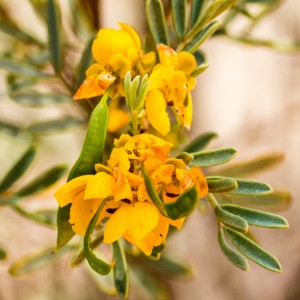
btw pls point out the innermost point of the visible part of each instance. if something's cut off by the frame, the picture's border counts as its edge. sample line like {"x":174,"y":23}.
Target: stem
{"x":213,"y":201}
{"x":134,"y":123}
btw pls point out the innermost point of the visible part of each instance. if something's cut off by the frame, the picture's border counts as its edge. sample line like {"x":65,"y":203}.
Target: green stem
{"x":134,"y":123}
{"x":213,"y":201}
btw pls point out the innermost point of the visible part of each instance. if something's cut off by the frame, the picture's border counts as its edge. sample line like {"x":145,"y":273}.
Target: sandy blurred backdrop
{"x":251,"y":97}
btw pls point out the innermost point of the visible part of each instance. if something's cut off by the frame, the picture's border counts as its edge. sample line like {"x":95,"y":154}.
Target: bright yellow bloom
{"x":116,"y":52}
{"x":170,"y":84}
{"x":128,"y":209}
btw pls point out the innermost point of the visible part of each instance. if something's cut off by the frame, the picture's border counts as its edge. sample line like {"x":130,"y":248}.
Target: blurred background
{"x":249,"y":95}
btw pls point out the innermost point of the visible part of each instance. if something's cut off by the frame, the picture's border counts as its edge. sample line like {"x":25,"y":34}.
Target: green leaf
{"x":93,"y":148}
{"x":36,"y":261}
{"x":156,"y":21}
{"x":200,"y":142}
{"x":253,"y":251}
{"x":179,"y":16}
{"x":251,"y":187}
{"x":233,"y":256}
{"x":256,"y":217}
{"x":213,"y":157}
{"x":253,"y":166}
{"x":153,"y":193}
{"x":218,"y":184}
{"x":202,"y":36}
{"x":183,"y":206}
{"x":10,"y":128}
{"x":54,"y":126}
{"x":54,"y":35}
{"x":42,"y":182}
{"x":3,"y":254}
{"x":200,"y":59}
{"x":231,"y":220}
{"x":85,"y":61}
{"x":18,"y":169}
{"x":186,"y":157}
{"x":10,"y":28}
{"x":40,"y":8}
{"x":274,"y":202}
{"x":95,"y":263}
{"x":64,"y":228}
{"x":36,"y":99}
{"x":196,"y":9}
{"x":80,"y":257}
{"x":120,"y":271}
{"x":19,"y":68}
{"x":200,"y":69}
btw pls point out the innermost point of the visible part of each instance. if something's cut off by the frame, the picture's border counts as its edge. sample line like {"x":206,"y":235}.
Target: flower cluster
{"x":128,"y":209}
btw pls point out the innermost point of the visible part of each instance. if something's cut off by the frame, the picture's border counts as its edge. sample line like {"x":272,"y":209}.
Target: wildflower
{"x":116,"y":52}
{"x":170,"y":84}
{"x":129,"y":210}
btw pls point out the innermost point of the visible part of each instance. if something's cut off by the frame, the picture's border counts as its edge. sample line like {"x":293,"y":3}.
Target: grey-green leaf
{"x":256,"y":217}
{"x":183,"y":206}
{"x":98,"y":265}
{"x":3,"y":254}
{"x":156,"y":21}
{"x":200,"y":142}
{"x":213,"y":157}
{"x":43,"y":181}
{"x":233,"y":256}
{"x":218,"y":184}
{"x":54,"y":126}
{"x":93,"y":148}
{"x":196,"y":10}
{"x":179,"y":16}
{"x":253,"y":251}
{"x":54,"y":35}
{"x":251,"y":187}
{"x":202,"y":36}
{"x":36,"y":99}
{"x":18,"y":169}
{"x":120,"y":270}
{"x":231,"y":220}
{"x":34,"y":262}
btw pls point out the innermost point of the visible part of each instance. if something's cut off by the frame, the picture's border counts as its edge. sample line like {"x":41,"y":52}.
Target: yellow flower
{"x":128,"y":209}
{"x":170,"y":84}
{"x":116,"y":52}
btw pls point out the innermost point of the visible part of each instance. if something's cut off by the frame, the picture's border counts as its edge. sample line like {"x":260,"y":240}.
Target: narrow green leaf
{"x":250,"y":187}
{"x":54,"y":35}
{"x":196,"y":10}
{"x":19,"y":68}
{"x":200,"y":69}
{"x":233,"y":256}
{"x":93,"y":148}
{"x":120,"y":271}
{"x":253,"y":166}
{"x":253,"y":251}
{"x":3,"y":254}
{"x":64,"y":228}
{"x":79,"y":257}
{"x":10,"y":128}
{"x":171,"y":268}
{"x":95,"y":263}
{"x":133,"y":91}
{"x":127,"y":87}
{"x":43,"y":181}
{"x":200,"y":142}
{"x":213,"y":157}
{"x":183,"y":206}
{"x":272,"y":202}
{"x":231,"y":220}
{"x":256,"y":217}
{"x":85,"y":61}
{"x":54,"y":126}
{"x":179,"y":16}
{"x":153,"y":193}
{"x":219,"y":184}
{"x":36,"y":261}
{"x":36,"y":99}
{"x":202,"y":36}
{"x":200,"y":59}
{"x":156,"y":21}
{"x":18,"y":169}
{"x":186,"y":157}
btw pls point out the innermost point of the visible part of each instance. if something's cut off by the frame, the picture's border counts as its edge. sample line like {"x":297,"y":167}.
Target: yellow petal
{"x":166,"y":54}
{"x":176,"y":80}
{"x":94,"y":69}
{"x":148,"y":61}
{"x":119,"y":159}
{"x":116,"y":225}
{"x":132,"y":32}
{"x":163,"y":174}
{"x":100,"y":186}
{"x":157,"y":76}
{"x":82,"y":212}
{"x":156,"y":112}
{"x":200,"y":180}
{"x":188,"y":115}
{"x":68,"y":192}
{"x":117,"y":120}
{"x":186,"y":62}
{"x":120,"y":64}
{"x":122,"y":189}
